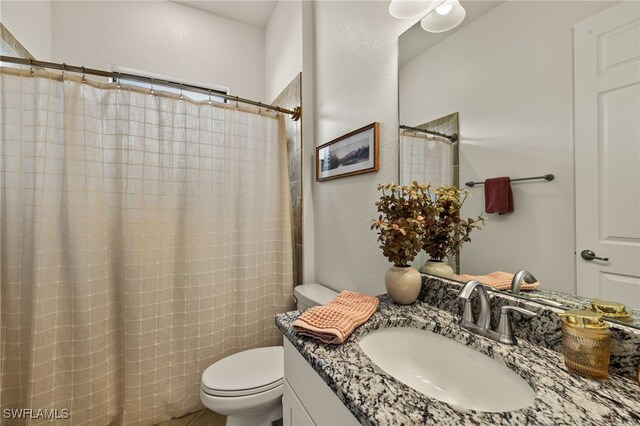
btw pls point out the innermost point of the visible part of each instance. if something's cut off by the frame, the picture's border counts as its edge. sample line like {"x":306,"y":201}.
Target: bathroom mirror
{"x":511,"y":79}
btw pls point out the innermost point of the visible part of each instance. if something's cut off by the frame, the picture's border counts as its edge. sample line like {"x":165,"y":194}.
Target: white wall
{"x":510,"y":76}
{"x":30,"y":24}
{"x":283,"y":47}
{"x":356,"y":84}
{"x":161,"y":37}
{"x":307,"y":127}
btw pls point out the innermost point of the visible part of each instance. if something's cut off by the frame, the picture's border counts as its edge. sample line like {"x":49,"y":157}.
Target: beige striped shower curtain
{"x":425,"y":159}
{"x":143,"y":237}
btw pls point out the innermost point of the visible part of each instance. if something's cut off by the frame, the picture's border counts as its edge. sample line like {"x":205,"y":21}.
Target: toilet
{"x":247,"y":386}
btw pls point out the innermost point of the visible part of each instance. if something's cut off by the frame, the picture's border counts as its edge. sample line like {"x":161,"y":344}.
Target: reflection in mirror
{"x":428,"y":153}
{"x":428,"y":157}
{"x":509,"y":71}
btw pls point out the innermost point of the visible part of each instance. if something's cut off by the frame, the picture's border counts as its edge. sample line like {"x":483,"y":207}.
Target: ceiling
{"x":252,"y":12}
{"x":415,"y":40}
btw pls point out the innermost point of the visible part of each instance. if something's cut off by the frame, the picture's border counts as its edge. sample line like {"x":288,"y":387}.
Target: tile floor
{"x":202,"y":418}
{"x":199,"y":418}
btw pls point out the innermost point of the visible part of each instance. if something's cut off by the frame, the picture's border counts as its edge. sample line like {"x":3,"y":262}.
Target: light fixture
{"x":447,"y":16}
{"x":403,"y":9}
{"x":444,"y":8}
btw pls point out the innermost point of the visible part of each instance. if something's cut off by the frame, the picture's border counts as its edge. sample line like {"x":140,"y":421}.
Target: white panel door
{"x":607,"y":153}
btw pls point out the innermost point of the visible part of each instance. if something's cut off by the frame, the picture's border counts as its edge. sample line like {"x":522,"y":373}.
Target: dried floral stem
{"x":413,"y":219}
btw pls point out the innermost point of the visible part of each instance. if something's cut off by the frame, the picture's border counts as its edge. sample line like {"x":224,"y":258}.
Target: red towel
{"x":498,"y":197}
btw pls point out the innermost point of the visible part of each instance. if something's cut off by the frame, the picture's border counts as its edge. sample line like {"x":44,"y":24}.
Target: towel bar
{"x":548,"y":177}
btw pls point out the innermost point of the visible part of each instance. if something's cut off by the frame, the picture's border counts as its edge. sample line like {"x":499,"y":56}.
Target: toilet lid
{"x":247,"y":372}
{"x":314,"y":294}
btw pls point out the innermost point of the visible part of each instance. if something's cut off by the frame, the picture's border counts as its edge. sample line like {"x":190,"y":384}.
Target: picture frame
{"x":351,"y":154}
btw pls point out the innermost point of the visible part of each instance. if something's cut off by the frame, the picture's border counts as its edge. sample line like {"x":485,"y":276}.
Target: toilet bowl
{"x":247,"y":386}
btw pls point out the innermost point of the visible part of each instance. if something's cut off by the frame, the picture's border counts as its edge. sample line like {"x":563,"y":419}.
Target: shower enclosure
{"x":143,"y":237}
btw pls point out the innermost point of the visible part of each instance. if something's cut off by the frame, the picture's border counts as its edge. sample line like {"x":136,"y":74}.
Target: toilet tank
{"x":308,"y":295}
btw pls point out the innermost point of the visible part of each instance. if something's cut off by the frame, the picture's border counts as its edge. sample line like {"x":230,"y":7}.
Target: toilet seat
{"x":241,"y":392}
{"x":245,"y":373}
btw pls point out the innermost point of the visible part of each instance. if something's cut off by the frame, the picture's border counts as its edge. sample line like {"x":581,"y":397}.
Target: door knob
{"x":590,"y":255}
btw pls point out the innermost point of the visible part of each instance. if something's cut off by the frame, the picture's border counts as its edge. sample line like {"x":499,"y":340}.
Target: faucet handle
{"x":505,"y":329}
{"x":508,"y":308}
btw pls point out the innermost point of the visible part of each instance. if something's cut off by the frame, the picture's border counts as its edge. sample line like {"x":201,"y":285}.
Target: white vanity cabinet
{"x":307,"y":400}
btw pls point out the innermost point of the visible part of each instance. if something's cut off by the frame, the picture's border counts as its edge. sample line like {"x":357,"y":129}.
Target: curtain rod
{"x":451,"y":138}
{"x":295,"y":113}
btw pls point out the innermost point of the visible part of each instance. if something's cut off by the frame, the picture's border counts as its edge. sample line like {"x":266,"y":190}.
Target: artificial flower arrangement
{"x":414,"y":218}
{"x":444,"y":231}
{"x":401,"y":221}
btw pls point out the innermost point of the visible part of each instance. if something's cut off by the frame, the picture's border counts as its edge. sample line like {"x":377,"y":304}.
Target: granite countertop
{"x":571,"y":301}
{"x":375,"y":398}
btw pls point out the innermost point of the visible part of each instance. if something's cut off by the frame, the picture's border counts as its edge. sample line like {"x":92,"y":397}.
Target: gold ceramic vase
{"x":438,"y":268}
{"x":403,"y":284}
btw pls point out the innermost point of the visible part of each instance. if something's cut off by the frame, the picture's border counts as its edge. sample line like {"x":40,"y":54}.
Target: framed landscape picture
{"x":348,"y":155}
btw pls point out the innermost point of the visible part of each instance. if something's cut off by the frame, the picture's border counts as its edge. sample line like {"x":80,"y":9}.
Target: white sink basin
{"x":446,"y":370}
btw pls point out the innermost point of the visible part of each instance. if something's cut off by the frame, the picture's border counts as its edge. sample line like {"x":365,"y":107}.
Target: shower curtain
{"x":143,"y":237}
{"x":425,"y":159}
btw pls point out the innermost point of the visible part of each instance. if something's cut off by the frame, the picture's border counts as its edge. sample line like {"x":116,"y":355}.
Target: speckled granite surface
{"x":570,"y":301}
{"x":544,"y":330}
{"x":376,"y":398}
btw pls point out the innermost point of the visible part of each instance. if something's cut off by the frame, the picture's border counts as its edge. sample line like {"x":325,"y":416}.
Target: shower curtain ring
{"x":31,"y":70}
{"x":151,"y":92}
{"x":277,"y":112}
{"x":181,"y":96}
{"x":259,"y":107}
{"x":84,"y":77}
{"x":237,"y":102}
{"x":118,"y":80}
{"x":210,"y":101}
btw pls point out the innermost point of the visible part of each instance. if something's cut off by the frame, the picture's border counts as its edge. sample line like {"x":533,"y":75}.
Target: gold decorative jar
{"x":610,"y":309}
{"x":586,"y":344}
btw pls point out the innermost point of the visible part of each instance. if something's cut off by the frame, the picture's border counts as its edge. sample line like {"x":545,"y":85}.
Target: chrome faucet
{"x":484,"y":318}
{"x":520,"y":276}
{"x":504,"y":332}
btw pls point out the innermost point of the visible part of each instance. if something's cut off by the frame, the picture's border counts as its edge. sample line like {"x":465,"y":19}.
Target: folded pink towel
{"x":335,"y":321}
{"x":498,"y":197}
{"x":498,"y":280}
